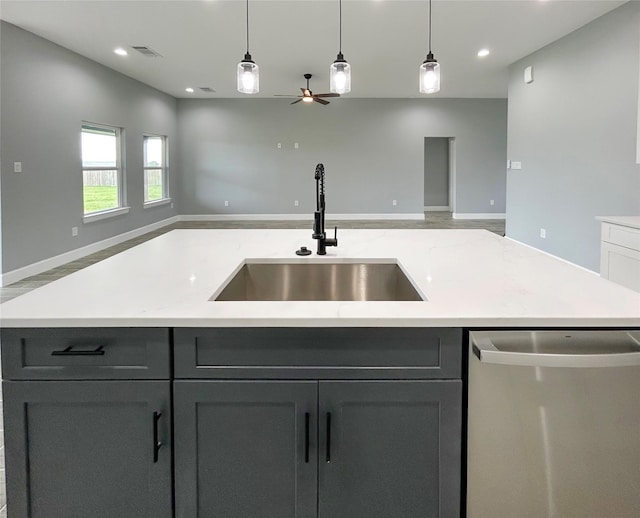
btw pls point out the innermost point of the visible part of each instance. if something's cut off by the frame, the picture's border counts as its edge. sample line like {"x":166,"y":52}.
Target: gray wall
{"x":574,"y":130}
{"x":46,"y":93}
{"x":436,"y":171}
{"x":372,"y":150}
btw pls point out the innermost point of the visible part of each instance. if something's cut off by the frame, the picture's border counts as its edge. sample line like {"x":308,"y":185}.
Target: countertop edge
{"x":519,"y":322}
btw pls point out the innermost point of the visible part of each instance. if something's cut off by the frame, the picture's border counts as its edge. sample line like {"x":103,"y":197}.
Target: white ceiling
{"x":384,"y":40}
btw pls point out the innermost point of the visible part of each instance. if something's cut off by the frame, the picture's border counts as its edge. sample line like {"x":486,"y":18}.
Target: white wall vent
{"x":146,"y":51}
{"x":207,"y":89}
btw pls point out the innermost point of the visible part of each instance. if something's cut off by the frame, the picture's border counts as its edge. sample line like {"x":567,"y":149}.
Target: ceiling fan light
{"x":248,"y":76}
{"x":340,"y":76}
{"x":307,"y":99}
{"x":430,"y":76}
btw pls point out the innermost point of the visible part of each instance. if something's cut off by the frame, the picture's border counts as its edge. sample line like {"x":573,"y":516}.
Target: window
{"x":155,"y":168}
{"x":101,"y":169}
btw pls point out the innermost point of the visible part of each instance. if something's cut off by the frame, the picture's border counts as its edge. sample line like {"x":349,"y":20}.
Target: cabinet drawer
{"x":85,"y":353}
{"x":312,"y":353}
{"x":622,"y":236}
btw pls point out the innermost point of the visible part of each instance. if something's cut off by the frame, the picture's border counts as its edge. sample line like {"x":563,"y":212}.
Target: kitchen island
{"x":130,"y":392}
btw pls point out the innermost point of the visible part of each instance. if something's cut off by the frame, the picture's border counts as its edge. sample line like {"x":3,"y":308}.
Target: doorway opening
{"x":439,"y":174}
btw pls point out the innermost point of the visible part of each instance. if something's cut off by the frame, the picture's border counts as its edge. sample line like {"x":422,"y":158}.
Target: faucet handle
{"x":334,"y":241}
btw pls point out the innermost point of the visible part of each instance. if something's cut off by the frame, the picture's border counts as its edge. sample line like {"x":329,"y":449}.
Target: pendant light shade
{"x":429,"y":75}
{"x":248,"y":71}
{"x":248,"y":76}
{"x":340,"y":70}
{"x":430,"y":69}
{"x":340,"y":76}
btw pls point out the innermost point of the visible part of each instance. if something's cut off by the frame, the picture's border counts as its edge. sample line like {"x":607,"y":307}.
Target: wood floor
{"x":433,"y":220}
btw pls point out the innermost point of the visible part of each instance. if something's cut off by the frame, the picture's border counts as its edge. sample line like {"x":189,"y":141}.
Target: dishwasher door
{"x":554,"y":424}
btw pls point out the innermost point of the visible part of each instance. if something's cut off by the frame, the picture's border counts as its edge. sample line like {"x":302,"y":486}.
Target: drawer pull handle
{"x":156,"y":443}
{"x":306,"y":437}
{"x":328,"y":436}
{"x":98,"y":351}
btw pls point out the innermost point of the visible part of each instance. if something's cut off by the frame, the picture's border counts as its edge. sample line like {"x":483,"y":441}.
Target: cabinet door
{"x":86,"y":448}
{"x":246,"y":449}
{"x":389,"y":449}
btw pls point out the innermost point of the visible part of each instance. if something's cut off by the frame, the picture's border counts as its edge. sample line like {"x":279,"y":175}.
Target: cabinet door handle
{"x":156,"y":443}
{"x":306,"y":437}
{"x":328,"y":436}
{"x":98,"y":351}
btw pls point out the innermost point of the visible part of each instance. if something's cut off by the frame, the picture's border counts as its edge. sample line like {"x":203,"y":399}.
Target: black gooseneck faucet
{"x":318,"y":217}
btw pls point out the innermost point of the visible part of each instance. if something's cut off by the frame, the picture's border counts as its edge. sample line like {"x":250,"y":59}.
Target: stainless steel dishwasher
{"x":554,"y":424}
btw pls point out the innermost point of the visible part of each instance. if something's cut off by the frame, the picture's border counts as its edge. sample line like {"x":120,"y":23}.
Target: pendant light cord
{"x":429,"y":26}
{"x":340,"y":26}
{"x":248,"y":26}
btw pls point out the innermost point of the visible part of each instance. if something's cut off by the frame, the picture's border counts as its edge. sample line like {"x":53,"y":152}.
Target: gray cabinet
{"x":79,"y":443}
{"x":88,"y":448}
{"x":389,"y":449}
{"x":381,"y":449}
{"x":245,"y":449}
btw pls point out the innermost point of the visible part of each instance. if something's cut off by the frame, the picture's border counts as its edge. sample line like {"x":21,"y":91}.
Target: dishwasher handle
{"x":486,"y":352}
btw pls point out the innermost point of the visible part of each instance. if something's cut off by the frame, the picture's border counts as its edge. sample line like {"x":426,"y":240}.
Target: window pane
{"x":99,"y":148}
{"x":100,"y":190}
{"x":153,"y":185}
{"x":153,"y":152}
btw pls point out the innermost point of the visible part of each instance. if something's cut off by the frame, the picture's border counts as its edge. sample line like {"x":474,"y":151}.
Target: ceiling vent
{"x":146,"y":51}
{"x":207,"y":89}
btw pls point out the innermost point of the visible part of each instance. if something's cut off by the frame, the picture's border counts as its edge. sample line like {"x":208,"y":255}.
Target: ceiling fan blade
{"x":327,"y":95}
{"x":294,"y":102}
{"x":321,"y":101}
{"x":282,"y":95}
{"x":303,"y":90}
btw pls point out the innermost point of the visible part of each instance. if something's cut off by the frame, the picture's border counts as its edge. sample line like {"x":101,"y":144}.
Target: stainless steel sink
{"x":319,"y":281}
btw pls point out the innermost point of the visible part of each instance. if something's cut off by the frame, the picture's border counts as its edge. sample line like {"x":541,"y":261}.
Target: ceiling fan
{"x":308,"y":96}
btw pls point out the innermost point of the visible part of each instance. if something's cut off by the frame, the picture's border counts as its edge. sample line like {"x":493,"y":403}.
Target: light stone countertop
{"x":472,"y":278}
{"x":625,"y":221}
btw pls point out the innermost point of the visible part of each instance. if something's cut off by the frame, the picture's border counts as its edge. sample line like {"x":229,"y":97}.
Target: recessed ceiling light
{"x":483,"y":52}
{"x":190,"y":90}
{"x":120,"y":51}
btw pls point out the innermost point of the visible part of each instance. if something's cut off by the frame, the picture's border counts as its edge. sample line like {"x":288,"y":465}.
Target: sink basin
{"x":319,"y":281}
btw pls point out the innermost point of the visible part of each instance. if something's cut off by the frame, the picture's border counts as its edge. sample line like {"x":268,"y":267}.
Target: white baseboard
{"x":246,"y":217}
{"x":552,"y":255}
{"x":487,"y":215}
{"x":436,"y":208}
{"x":299,"y":217}
{"x":78,"y":253}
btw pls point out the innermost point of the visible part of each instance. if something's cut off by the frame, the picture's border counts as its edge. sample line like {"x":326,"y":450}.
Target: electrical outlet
{"x":394,"y":202}
{"x":172,"y":205}
{"x":296,"y":145}
{"x":226,"y":203}
{"x":516,"y":165}
{"x":543,"y":233}
{"x":296,"y":203}
{"x":279,"y":145}
{"x":492,"y":202}
{"x":74,"y":231}
{"x":17,"y":167}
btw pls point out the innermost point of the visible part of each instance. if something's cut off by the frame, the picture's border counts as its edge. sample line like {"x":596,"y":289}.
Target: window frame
{"x":97,"y":215}
{"x":166,"y":198}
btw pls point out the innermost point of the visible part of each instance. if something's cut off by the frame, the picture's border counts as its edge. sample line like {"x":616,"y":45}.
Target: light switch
{"x":17,"y":167}
{"x":516,"y":165}
{"x":528,"y":75}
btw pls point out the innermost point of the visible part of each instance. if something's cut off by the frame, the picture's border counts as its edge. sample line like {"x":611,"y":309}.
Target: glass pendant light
{"x":248,"y":71}
{"x":430,"y":69}
{"x":340,"y":70}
